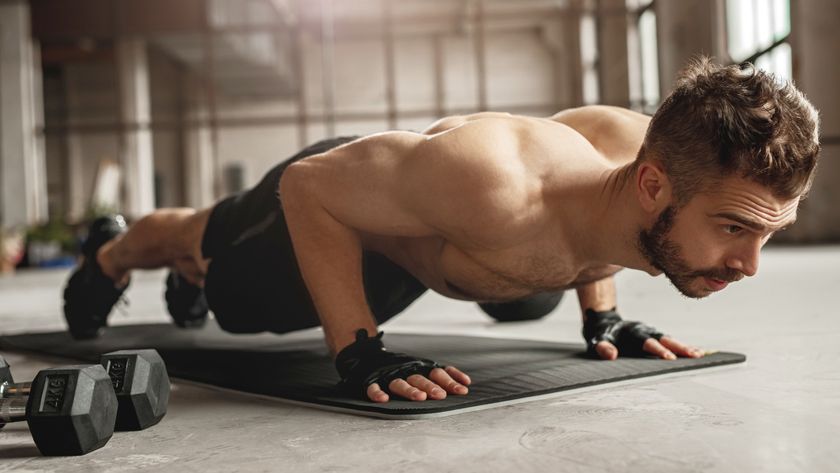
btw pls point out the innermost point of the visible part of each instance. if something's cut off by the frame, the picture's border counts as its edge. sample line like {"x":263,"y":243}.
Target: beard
{"x":665,"y":255}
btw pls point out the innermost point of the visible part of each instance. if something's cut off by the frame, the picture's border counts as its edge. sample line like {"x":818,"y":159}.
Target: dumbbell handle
{"x":15,"y":389}
{"x":12,"y":410}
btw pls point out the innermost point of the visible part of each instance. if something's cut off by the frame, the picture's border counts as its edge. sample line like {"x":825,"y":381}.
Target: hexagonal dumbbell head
{"x":141,"y":384}
{"x":71,"y":410}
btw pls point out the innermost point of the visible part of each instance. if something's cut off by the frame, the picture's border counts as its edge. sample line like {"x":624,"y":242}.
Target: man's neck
{"x":606,"y":225}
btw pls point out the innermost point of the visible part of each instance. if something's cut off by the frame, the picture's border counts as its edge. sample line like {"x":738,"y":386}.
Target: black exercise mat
{"x":502,"y":370}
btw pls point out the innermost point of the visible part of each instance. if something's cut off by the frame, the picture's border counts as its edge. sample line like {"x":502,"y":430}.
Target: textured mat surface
{"x":502,"y":370}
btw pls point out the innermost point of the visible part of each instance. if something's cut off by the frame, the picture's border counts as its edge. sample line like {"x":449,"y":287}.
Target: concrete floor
{"x":779,"y":412}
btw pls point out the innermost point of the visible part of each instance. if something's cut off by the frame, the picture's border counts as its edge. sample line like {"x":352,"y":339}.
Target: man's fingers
{"x":376,"y":394}
{"x":680,"y":349}
{"x":652,"y":346}
{"x":401,"y":388}
{"x":458,"y":375}
{"x":418,"y":388}
{"x":444,"y":380}
{"x":421,"y":382}
{"x":606,"y":350}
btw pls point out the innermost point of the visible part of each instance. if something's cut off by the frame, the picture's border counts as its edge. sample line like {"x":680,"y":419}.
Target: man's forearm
{"x":599,"y":295}
{"x":329,"y":254}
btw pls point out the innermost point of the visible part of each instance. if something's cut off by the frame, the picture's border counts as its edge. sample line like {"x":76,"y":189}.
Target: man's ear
{"x":653,"y":187}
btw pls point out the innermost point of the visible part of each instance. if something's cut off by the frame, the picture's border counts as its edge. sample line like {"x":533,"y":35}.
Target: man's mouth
{"x":715,"y":284}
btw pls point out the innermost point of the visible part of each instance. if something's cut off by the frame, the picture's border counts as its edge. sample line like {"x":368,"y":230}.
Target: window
{"x":757,"y":31}
{"x":589,"y":58}
{"x":642,"y":54}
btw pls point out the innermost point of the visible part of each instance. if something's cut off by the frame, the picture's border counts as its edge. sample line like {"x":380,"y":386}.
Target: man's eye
{"x":732,"y":229}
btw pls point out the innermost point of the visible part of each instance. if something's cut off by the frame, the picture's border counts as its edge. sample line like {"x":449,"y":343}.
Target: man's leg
{"x":167,"y":237}
{"x":164,"y":238}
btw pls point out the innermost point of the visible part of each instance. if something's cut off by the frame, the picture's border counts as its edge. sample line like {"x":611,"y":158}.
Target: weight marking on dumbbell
{"x":117,"y":371}
{"x":54,"y":394}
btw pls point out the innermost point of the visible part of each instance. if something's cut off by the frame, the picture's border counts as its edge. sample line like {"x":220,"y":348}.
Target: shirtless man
{"x":489,"y":207}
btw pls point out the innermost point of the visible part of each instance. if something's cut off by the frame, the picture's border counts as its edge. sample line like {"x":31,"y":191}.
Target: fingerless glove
{"x":367,"y":361}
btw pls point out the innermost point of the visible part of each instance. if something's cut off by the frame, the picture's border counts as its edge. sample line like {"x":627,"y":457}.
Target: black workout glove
{"x":628,"y":336}
{"x":366,"y":361}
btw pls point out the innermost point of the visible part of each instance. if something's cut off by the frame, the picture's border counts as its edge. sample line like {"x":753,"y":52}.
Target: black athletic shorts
{"x":253,"y":283}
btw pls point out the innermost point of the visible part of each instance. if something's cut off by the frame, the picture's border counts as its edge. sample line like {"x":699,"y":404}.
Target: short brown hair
{"x":722,"y":121}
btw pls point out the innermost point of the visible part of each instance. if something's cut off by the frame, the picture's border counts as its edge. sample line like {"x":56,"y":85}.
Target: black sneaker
{"x":186,"y":302}
{"x":90,"y":294}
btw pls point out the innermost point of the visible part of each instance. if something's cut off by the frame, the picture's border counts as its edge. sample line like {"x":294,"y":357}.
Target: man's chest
{"x":489,"y":275}
{"x":513,"y":273}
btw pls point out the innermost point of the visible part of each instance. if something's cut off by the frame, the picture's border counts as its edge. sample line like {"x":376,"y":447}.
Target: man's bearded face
{"x":664,"y":254}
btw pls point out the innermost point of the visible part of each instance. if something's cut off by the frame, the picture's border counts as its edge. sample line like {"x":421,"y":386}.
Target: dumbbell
{"x":139,"y":380}
{"x":70,"y":410}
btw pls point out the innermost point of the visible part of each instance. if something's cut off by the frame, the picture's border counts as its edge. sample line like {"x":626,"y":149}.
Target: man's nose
{"x":746,"y":260}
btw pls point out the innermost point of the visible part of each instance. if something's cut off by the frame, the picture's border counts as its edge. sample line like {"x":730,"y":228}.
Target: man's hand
{"x":666,"y":348}
{"x":608,"y":335}
{"x":368,"y":369}
{"x":416,"y":387}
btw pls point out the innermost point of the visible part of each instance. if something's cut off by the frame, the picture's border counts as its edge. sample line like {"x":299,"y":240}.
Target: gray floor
{"x":778,"y":412}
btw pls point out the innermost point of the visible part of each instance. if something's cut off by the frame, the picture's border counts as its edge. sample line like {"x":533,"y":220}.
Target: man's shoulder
{"x":507,"y":137}
{"x":587,"y":114}
{"x":512,"y":156}
{"x":617,"y":133}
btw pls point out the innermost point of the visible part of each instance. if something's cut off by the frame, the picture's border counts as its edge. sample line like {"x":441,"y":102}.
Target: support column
{"x":685,"y":29}
{"x":77,"y":196}
{"x":814,"y":34}
{"x":612,"y":40}
{"x":137,"y":160}
{"x":562,"y":38}
{"x":23,"y":177}
{"x":572,"y":53}
{"x":198,"y":150}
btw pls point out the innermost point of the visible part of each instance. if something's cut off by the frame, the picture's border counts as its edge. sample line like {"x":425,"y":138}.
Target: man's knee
{"x":190,"y":270}
{"x":530,"y":308}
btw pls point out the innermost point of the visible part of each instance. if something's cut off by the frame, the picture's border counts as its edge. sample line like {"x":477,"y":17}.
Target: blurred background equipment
{"x":153,"y":103}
